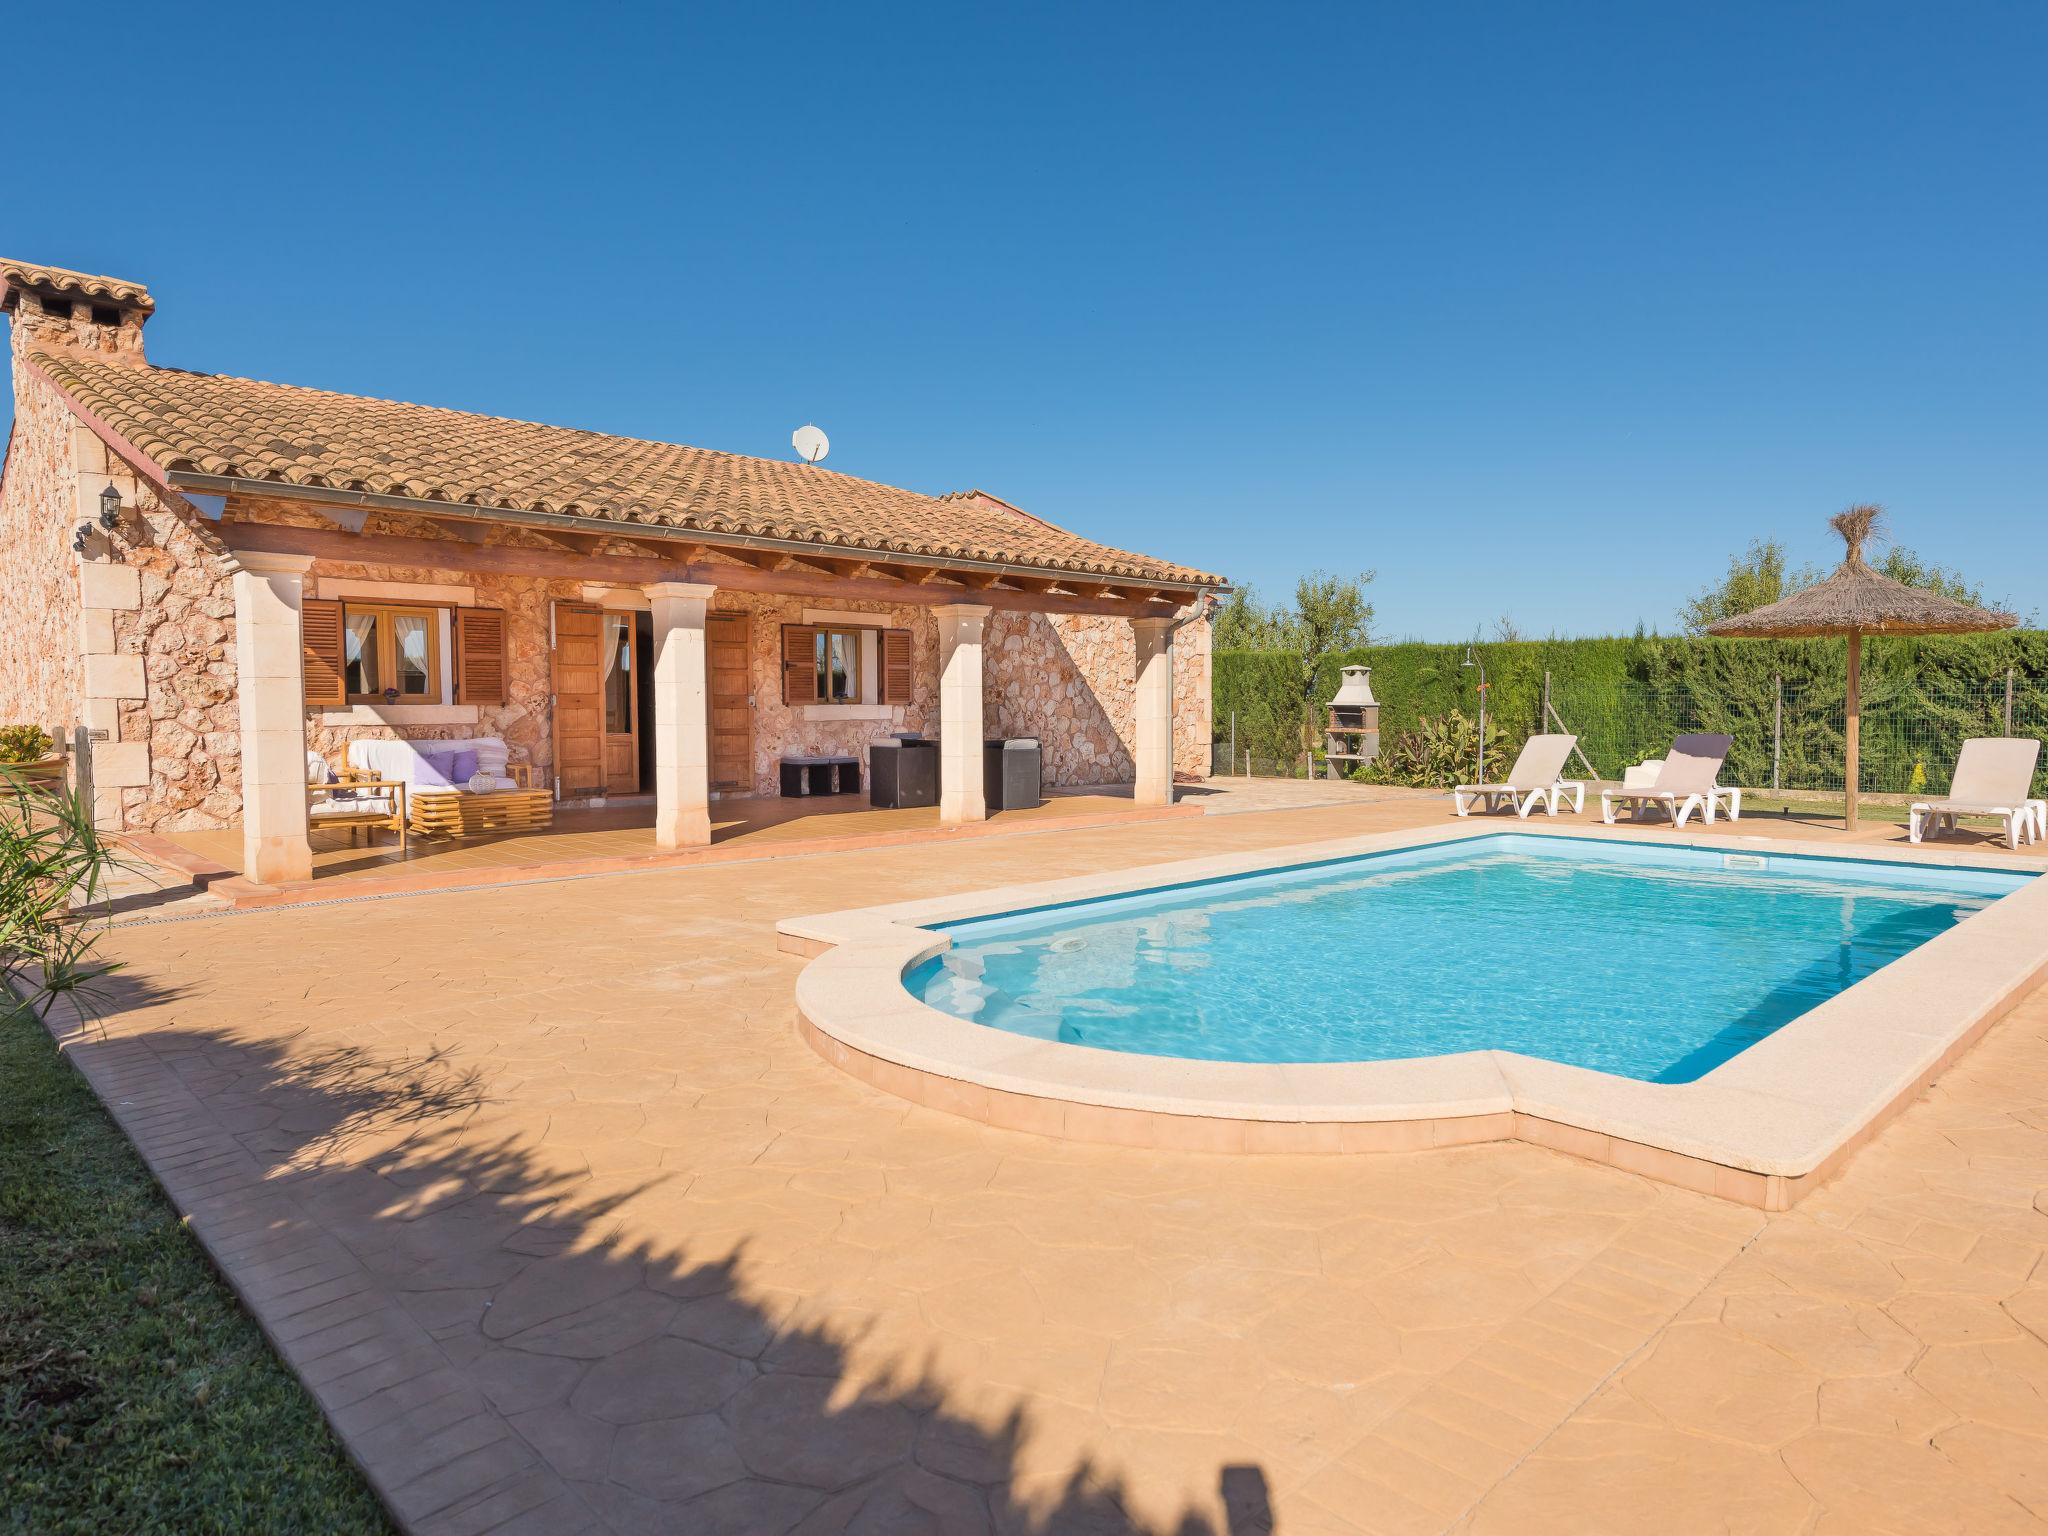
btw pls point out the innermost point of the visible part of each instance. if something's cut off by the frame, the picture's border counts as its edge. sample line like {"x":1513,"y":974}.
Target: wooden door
{"x":730,"y":698}
{"x":621,"y":680}
{"x":579,"y":699}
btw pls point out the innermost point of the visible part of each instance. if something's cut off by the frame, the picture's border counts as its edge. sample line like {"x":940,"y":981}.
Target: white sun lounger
{"x":1684,"y":784}
{"x":1994,"y":777}
{"x":1727,"y":799}
{"x":1533,"y":781}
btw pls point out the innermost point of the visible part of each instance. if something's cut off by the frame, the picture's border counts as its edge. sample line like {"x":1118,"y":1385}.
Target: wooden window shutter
{"x":799,"y":664}
{"x":320,"y":641}
{"x":896,"y":674}
{"x":479,"y":656}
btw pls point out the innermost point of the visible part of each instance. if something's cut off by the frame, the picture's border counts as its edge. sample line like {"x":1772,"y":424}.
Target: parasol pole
{"x":1852,"y":726}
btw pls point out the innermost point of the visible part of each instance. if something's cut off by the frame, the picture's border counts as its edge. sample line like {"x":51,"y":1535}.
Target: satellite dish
{"x":810,"y":444}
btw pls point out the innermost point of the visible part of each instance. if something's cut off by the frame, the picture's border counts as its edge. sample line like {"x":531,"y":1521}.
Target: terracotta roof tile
{"x":217,"y":425}
{"x":27,"y":274}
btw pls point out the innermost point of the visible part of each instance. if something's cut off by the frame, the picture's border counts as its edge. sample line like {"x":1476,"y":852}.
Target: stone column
{"x":1154,"y":711}
{"x":682,"y":715}
{"x":270,"y":686}
{"x":960,"y":783}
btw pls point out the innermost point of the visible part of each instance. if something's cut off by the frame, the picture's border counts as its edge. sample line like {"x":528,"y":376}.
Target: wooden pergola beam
{"x":636,"y":570}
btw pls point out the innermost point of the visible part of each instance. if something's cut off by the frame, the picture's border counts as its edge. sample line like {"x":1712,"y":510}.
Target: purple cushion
{"x":433,"y":771}
{"x":462,"y":769}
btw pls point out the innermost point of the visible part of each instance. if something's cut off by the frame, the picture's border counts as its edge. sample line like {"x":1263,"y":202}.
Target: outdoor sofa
{"x":458,"y":787}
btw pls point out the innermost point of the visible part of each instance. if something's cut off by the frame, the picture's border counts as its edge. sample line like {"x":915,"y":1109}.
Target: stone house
{"x":280,"y":568}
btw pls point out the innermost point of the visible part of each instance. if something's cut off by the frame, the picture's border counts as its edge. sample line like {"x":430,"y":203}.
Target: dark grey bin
{"x":1012,"y":774}
{"x":902,"y":773}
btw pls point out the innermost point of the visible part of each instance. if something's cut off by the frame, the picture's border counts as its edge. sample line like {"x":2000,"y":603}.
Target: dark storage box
{"x":1011,"y":774}
{"x":902,"y":773}
{"x":821,"y":775}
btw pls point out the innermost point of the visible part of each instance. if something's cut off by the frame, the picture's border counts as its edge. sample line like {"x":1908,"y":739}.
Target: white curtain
{"x":359,"y":641}
{"x":618,"y":631}
{"x":415,"y":672}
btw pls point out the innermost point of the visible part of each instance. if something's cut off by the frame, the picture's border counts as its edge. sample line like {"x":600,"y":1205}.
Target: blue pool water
{"x":1648,"y":962}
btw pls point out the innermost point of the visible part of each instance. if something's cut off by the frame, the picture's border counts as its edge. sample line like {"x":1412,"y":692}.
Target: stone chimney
{"x":48,"y":307}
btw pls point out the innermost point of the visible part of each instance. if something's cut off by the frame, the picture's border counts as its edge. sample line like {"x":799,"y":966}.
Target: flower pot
{"x":44,"y":773}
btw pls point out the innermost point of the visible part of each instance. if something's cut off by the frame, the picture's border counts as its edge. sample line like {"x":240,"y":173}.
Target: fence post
{"x":81,"y":771}
{"x":1777,"y":725}
{"x":2008,"y":701}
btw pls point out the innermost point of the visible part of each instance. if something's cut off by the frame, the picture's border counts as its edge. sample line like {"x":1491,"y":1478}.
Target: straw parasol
{"x":1856,"y":601}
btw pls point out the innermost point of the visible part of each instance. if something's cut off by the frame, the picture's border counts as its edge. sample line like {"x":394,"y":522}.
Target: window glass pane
{"x":359,"y":647}
{"x":411,"y":653}
{"x":845,"y":665}
{"x":618,"y":674}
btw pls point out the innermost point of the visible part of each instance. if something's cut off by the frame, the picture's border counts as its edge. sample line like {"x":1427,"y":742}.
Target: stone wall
{"x":1069,"y":680}
{"x":189,"y":717}
{"x":41,"y":681}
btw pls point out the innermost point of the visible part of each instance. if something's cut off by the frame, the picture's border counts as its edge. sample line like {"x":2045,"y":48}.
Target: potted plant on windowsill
{"x":28,"y":756}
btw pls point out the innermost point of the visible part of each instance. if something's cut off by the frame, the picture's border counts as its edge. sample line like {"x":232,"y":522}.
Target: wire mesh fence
{"x":1908,"y":738}
{"x":1785,"y":739}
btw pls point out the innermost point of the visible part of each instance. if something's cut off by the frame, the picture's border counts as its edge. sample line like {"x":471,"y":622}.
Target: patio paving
{"x":566,"y":1229}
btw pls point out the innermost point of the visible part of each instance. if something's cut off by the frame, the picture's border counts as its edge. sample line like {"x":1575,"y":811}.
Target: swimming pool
{"x":1646,"y":962}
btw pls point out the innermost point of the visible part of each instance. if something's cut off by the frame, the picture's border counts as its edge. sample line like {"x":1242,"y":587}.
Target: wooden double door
{"x":602,"y":656}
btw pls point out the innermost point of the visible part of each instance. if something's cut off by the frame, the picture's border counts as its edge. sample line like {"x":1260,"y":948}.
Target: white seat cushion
{"x":378,"y":805}
{"x":498,"y":782}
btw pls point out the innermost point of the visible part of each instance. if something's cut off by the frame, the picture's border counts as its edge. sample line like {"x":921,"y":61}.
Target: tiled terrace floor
{"x":626,"y":830}
{"x":567,"y":1230}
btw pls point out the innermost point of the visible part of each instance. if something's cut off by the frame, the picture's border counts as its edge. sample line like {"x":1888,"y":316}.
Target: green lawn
{"x":1817,"y":808}
{"x":135,"y":1394}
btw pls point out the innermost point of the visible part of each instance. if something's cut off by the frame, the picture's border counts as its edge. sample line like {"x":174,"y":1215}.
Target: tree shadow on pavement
{"x":665,"y":1388}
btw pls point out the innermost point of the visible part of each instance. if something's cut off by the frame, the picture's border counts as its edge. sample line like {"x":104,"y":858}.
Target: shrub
{"x":24,"y":744}
{"x":53,"y":862}
{"x":1438,"y":752}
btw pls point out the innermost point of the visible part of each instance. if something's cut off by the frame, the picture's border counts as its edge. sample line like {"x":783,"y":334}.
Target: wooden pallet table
{"x":465,"y":814}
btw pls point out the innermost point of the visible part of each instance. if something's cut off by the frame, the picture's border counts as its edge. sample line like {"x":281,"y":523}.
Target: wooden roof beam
{"x":469,"y":530}
{"x":405,"y":552}
{"x":575,"y":543}
{"x":850,"y":570}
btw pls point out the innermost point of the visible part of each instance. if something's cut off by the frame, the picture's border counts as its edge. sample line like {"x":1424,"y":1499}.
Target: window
{"x":618,"y":674}
{"x":842,"y":663}
{"x":105,"y":314}
{"x":58,"y":308}
{"x":838,"y":653}
{"x":391,"y":655}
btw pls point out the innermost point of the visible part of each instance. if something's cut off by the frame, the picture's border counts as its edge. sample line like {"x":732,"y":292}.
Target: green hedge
{"x":1627,"y":697}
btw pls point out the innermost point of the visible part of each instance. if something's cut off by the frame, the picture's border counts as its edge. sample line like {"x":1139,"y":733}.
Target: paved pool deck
{"x":539,"y":1190}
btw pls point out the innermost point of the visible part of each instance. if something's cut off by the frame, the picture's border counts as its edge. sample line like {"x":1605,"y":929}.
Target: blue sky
{"x":1539,"y":311}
